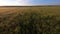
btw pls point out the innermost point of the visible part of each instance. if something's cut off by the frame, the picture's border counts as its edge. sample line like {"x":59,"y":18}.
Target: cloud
{"x":13,"y":2}
{"x":22,"y":2}
{"x":7,"y":2}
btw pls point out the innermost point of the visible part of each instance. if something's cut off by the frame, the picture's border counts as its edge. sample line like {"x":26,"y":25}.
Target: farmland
{"x":30,"y":20}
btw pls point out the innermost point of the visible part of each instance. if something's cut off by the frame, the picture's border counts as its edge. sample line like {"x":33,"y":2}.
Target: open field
{"x":30,"y":20}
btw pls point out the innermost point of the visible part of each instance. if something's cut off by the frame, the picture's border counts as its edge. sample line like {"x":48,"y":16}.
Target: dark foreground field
{"x":30,"y":20}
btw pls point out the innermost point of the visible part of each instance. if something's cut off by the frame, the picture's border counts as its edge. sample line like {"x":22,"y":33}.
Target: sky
{"x":28,"y":2}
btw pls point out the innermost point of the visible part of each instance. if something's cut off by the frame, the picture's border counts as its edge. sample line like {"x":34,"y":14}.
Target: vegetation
{"x":31,"y":20}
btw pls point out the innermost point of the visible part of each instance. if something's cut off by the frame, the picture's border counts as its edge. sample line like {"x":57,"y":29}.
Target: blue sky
{"x":29,"y":2}
{"x":45,"y":2}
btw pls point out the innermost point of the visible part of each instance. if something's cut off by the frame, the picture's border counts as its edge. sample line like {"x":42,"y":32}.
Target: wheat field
{"x":30,"y":20}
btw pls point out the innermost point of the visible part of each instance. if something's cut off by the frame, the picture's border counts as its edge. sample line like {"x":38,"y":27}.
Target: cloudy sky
{"x":28,"y":2}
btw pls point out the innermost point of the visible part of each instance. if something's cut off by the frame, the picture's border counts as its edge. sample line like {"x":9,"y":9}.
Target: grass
{"x":30,"y":20}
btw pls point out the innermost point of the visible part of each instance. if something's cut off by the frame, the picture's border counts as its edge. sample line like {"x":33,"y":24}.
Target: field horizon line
{"x":32,"y":6}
